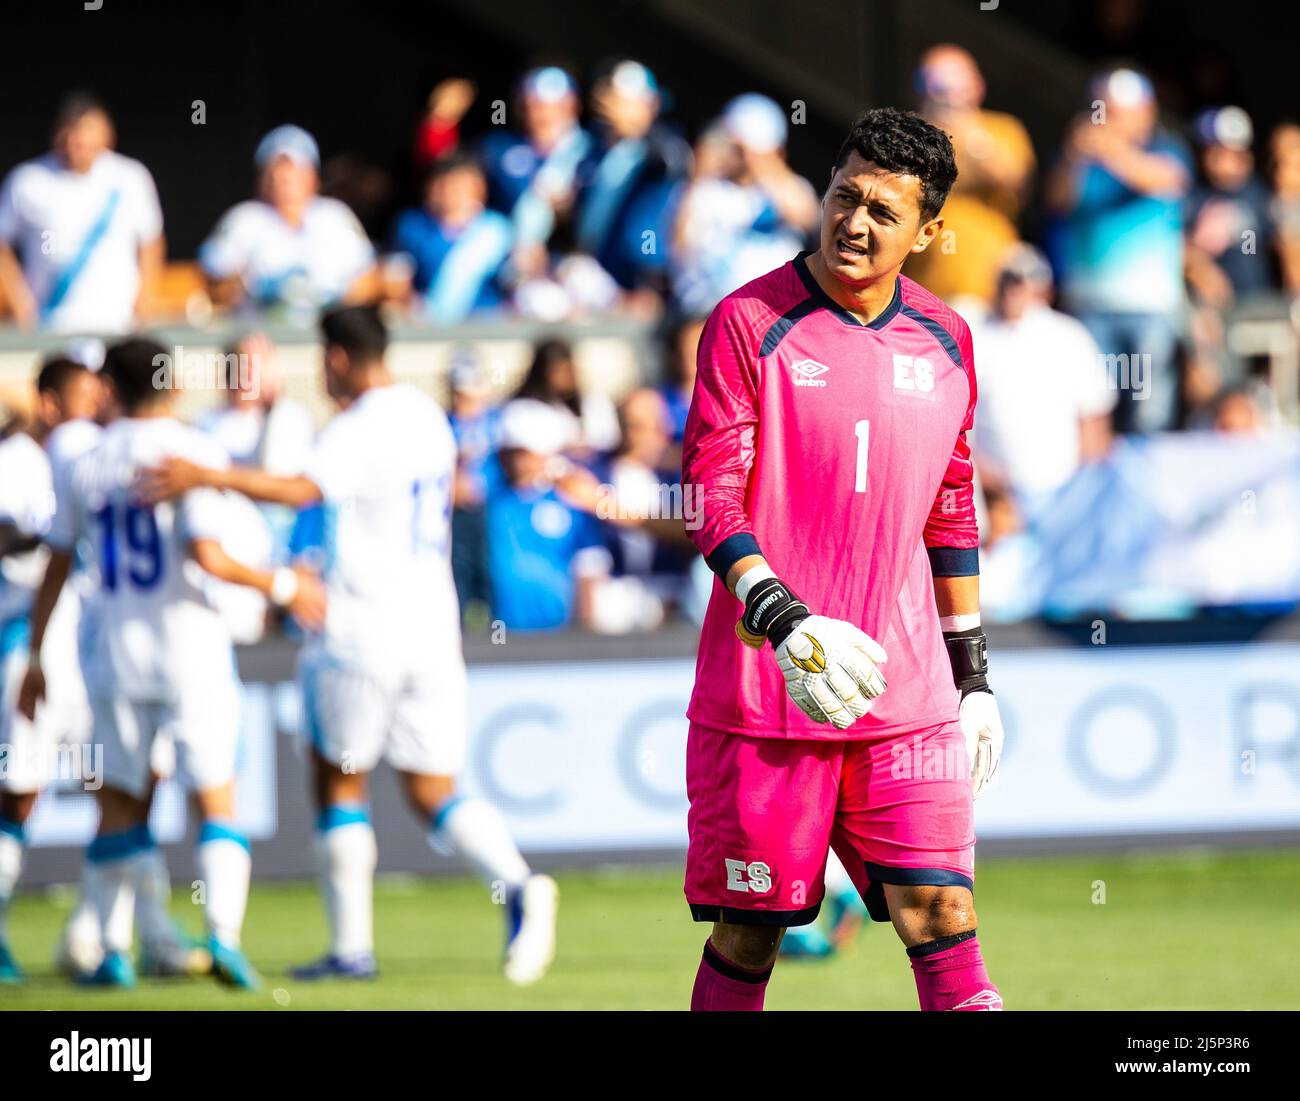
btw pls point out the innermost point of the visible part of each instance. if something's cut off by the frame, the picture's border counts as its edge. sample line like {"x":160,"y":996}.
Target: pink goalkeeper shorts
{"x":764,"y":812}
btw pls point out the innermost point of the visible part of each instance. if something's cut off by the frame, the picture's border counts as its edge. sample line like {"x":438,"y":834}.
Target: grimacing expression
{"x":871,"y":221}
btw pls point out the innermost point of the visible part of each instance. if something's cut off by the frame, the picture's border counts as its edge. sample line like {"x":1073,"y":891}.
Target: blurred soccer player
{"x":160,"y":664}
{"x":65,"y":391}
{"x":827,"y":441}
{"x":386,"y":676}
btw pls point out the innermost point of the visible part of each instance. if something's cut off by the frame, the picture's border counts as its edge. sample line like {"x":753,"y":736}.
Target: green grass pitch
{"x":1187,"y":930}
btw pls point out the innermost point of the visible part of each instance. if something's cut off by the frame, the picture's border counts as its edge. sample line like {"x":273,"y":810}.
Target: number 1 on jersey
{"x":862,"y":430}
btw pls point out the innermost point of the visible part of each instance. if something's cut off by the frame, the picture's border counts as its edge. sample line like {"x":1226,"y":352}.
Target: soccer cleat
{"x":337,"y":967}
{"x":172,"y":959}
{"x":531,"y":915}
{"x":806,"y":942}
{"x":231,"y":966}
{"x":115,"y":969}
{"x":10,"y":973}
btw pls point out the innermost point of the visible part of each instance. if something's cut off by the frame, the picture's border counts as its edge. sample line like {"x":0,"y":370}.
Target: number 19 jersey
{"x":155,"y":634}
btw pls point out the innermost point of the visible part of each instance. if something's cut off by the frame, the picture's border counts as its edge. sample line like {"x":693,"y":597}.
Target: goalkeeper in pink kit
{"x":827,"y":443}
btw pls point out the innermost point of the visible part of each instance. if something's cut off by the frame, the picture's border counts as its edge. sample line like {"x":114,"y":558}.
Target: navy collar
{"x":825,"y":301}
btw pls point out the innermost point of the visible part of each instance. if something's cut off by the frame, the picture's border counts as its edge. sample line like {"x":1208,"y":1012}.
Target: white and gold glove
{"x":831,"y":668}
{"x":981,"y":723}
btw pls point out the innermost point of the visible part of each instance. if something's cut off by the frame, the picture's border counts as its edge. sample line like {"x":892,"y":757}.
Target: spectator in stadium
{"x":81,"y":231}
{"x":1119,"y":188}
{"x":1229,"y":251}
{"x":290,"y":251}
{"x":459,"y":248}
{"x":257,"y":425}
{"x":1237,"y":411}
{"x":744,"y":211}
{"x":475,"y":423}
{"x":1284,"y":176}
{"x":652,"y":548}
{"x":1044,"y":402}
{"x":995,"y":166}
{"x":591,"y":419}
{"x":534,"y":176}
{"x":545,"y":554}
{"x":439,"y":130}
{"x":625,"y":207}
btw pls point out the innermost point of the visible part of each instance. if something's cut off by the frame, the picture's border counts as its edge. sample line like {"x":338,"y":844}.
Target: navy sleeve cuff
{"x":954,"y":561}
{"x":730,"y":551}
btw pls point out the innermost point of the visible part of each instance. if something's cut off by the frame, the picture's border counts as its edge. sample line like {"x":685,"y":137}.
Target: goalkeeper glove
{"x":981,"y":724}
{"x":830,"y":666}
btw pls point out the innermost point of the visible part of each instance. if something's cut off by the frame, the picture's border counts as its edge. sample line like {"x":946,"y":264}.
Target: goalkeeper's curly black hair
{"x":903,"y":142}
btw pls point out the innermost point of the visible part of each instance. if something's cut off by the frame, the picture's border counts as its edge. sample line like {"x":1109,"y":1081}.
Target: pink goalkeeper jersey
{"x":841,"y":449}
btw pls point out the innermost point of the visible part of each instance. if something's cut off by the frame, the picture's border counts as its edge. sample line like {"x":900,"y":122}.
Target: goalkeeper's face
{"x":871,"y":222}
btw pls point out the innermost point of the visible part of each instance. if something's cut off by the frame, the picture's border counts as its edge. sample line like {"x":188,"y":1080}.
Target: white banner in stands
{"x":1103,"y":741}
{"x":1109,"y":741}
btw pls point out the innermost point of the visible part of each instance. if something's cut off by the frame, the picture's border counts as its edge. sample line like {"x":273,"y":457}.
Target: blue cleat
{"x":231,"y":966}
{"x":10,"y":973}
{"x":806,"y":942}
{"x":337,"y":967}
{"x":115,"y":969}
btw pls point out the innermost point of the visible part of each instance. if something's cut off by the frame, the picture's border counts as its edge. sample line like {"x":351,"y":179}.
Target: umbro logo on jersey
{"x":808,"y":372}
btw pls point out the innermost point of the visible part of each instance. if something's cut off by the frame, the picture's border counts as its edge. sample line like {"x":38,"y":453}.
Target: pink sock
{"x":950,"y":974}
{"x":721,"y":986}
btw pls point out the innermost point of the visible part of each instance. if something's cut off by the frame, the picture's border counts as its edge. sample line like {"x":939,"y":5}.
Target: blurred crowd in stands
{"x":568,"y":508}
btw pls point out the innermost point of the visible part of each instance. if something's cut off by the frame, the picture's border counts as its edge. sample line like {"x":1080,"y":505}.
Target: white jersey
{"x":66,"y":444}
{"x":80,"y":235}
{"x":1037,"y":377}
{"x":309,"y":265}
{"x":384,"y":467}
{"x":156,"y":635}
{"x":26,"y":502}
{"x":29,"y":477}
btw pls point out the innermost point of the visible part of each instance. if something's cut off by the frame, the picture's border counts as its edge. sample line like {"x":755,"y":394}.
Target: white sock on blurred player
{"x":11,"y":866}
{"x":114,"y":888}
{"x":82,"y":946}
{"x":224,"y":866}
{"x":476,"y":831}
{"x":348,"y":855}
{"x":152,"y":894}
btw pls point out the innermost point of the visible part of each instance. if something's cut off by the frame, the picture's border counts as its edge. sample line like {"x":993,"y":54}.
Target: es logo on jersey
{"x":755,"y":877}
{"x":808,"y":372}
{"x":913,"y":375}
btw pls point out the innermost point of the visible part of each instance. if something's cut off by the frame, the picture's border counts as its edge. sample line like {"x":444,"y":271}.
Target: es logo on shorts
{"x":755,"y":877}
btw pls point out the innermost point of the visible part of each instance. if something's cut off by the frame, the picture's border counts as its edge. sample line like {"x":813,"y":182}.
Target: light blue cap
{"x":288,"y":141}
{"x":549,"y":84}
{"x":756,"y":122}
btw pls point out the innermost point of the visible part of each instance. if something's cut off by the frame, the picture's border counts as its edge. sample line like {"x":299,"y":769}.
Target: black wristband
{"x":773,"y":611}
{"x":969,"y":656}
